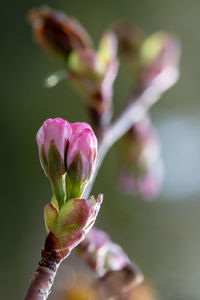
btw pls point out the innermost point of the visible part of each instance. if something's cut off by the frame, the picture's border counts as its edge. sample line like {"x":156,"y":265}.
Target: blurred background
{"x":162,"y":237}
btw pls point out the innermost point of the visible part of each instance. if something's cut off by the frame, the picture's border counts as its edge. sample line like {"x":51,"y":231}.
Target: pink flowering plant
{"x":68,"y":155}
{"x":71,"y":153}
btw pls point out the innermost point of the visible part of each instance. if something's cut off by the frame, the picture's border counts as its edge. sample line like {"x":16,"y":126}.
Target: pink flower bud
{"x":68,"y":154}
{"x":82,"y":156}
{"x":53,"y":139}
{"x":84,"y":142}
{"x":54,"y":130}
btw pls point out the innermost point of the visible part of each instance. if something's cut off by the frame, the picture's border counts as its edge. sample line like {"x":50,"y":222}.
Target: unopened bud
{"x":159,"y":56}
{"x":58,"y":33}
{"x":150,"y":61}
{"x":147,"y":186}
{"x":81,"y":158}
{"x":142,"y":169}
{"x":53,"y":140}
{"x":68,"y":155}
{"x":94,"y":73}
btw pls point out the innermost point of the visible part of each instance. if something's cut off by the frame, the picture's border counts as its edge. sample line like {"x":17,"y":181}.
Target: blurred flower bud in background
{"x":57,"y":33}
{"x":141,"y":167}
{"x":101,"y":254}
{"x":68,"y":155}
{"x":94,"y":72}
{"x":130,"y":39}
{"x":159,"y":55}
{"x":149,"y":60}
{"x":91,"y":72}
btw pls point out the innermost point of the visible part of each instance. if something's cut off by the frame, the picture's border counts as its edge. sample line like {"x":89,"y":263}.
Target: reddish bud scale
{"x":70,"y":224}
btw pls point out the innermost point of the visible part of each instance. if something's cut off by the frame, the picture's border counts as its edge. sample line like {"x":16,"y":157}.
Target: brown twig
{"x":43,"y":278}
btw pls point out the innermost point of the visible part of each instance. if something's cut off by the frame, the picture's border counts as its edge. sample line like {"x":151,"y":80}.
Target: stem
{"x":58,"y":187}
{"x":43,"y":278}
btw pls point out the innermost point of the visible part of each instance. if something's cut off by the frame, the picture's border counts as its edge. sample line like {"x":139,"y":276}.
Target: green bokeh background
{"x":163,"y":236}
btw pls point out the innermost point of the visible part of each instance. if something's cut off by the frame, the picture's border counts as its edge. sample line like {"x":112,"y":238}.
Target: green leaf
{"x":64,"y":212}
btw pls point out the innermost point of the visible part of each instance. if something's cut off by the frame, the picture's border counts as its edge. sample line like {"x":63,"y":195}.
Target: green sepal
{"x":78,"y":179}
{"x":77,"y":190}
{"x":55,"y":161}
{"x":50,"y":217}
{"x":56,"y":173}
{"x":44,"y":160}
{"x":68,"y":186}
